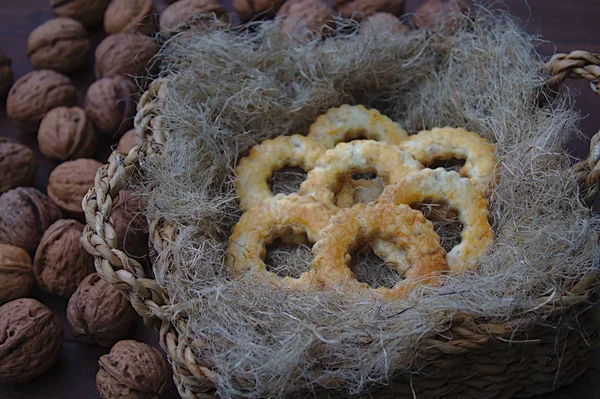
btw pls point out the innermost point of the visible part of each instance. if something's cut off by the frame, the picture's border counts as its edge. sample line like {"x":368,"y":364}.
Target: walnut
{"x":88,"y":12}
{"x":36,"y":93}
{"x":383,"y":21}
{"x":17,"y":165}
{"x":130,"y":15}
{"x":16,"y":279}
{"x":133,"y":370}
{"x":131,"y":226}
{"x":98,"y":313}
{"x":250,"y":8}
{"x":66,"y":133}
{"x":69,"y":182}
{"x":61,"y":44}
{"x":126,"y":54}
{"x":26,"y":213}
{"x":425,"y":15}
{"x":31,"y":338}
{"x":127,"y":142}
{"x":361,"y":8}
{"x":110,"y":105}
{"x":184,"y":11}
{"x":6,"y":75}
{"x":60,"y":261}
{"x":313,"y":14}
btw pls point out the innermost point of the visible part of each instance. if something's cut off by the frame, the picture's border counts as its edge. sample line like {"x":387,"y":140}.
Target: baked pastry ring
{"x":326,"y":178}
{"x":406,"y":228}
{"x":429,"y":146}
{"x":267,"y":220}
{"x":254,"y":171}
{"x":440,"y":185}
{"x":349,"y":122}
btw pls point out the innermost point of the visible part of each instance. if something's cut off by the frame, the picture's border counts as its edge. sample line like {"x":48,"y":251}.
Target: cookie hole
{"x":289,"y":255}
{"x":365,"y":176}
{"x":445,"y":222}
{"x":370,"y":269}
{"x":367,"y":190}
{"x":451,"y":164}
{"x":361,"y":136}
{"x":287,"y":180}
{"x":364,"y":187}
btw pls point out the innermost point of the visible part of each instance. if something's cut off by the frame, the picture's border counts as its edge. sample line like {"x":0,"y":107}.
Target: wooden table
{"x":566,"y":25}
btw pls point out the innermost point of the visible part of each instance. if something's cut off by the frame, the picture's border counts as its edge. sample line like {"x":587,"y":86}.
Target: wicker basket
{"x":471,"y":359}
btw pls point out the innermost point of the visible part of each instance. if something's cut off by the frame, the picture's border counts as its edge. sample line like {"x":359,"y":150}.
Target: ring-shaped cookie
{"x":272,"y":218}
{"x":349,"y":122}
{"x":326,"y":178}
{"x":437,"y":144}
{"x":440,"y":185}
{"x":405,"y":227}
{"x":254,"y":171}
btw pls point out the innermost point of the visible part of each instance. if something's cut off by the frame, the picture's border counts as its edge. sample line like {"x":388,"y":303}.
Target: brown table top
{"x":565,"y":25}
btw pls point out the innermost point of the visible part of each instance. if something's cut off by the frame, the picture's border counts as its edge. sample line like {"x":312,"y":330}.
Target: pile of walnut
{"x":339,"y":212}
{"x":40,"y":234}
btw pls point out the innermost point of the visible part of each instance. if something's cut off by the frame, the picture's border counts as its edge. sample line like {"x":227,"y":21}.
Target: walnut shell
{"x":66,"y":133}
{"x":6,"y":75}
{"x":133,"y":370}
{"x":31,"y":338}
{"x":69,"y":182}
{"x":88,"y":12}
{"x":127,"y":142}
{"x":36,"y":93}
{"x":130,"y":16}
{"x":126,"y":54}
{"x":61,"y":262}
{"x":61,"y":44}
{"x":247,"y":9}
{"x":16,"y":279}
{"x":425,"y":15}
{"x":184,"y":11}
{"x":313,"y":14}
{"x":359,"y":9}
{"x":383,"y":21}
{"x":26,"y":214}
{"x":110,"y":105}
{"x":17,"y":165}
{"x":131,"y":226}
{"x":97,"y":313}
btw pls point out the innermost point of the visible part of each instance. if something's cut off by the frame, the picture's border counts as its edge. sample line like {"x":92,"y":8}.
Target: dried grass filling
{"x":231,"y":89}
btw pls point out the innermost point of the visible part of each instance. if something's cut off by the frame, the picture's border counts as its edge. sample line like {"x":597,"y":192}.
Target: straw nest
{"x":232,"y":88}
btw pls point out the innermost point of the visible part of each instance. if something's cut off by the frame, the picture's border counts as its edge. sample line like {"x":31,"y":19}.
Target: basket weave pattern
{"x":471,"y":359}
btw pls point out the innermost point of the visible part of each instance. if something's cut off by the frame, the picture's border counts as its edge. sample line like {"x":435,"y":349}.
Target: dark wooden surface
{"x":564,"y":26}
